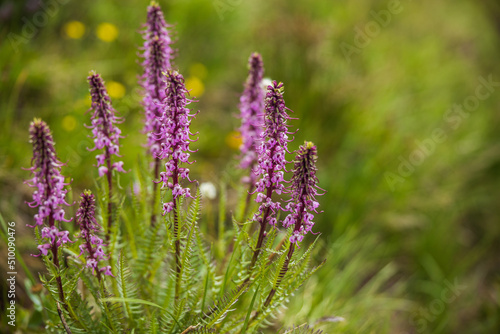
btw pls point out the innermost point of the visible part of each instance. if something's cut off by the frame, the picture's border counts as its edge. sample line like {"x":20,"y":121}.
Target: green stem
{"x":260,"y":240}
{"x":283,"y":269}
{"x":155,"y":189}
{"x":55,"y":260}
{"x":282,"y":274}
{"x":63,"y":320}
{"x":247,"y":201}
{"x":110,"y":190}
{"x":177,"y":240}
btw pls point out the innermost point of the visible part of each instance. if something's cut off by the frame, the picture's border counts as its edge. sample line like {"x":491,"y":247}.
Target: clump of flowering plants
{"x":140,"y":261}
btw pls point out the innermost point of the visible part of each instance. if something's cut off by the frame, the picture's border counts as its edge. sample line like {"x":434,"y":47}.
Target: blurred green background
{"x":410,"y":226}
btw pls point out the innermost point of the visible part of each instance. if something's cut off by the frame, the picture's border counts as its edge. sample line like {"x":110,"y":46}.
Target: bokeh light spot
{"x":107,"y":32}
{"x":74,"y":29}
{"x":195,"y":86}
{"x":233,"y":140}
{"x":115,"y":89}
{"x":198,"y":70}
{"x":68,"y":123}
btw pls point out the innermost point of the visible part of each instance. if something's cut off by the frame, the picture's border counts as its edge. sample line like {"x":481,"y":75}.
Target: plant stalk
{"x":265,"y":215}
{"x":175,"y":180}
{"x":284,"y":269}
{"x":262,"y":231}
{"x":63,"y":320}
{"x":249,"y":197}
{"x":110,"y":190}
{"x":55,"y":260}
{"x":155,"y":189}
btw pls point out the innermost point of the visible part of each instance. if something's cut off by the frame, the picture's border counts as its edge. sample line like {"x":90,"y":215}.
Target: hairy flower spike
{"x":175,"y":138}
{"x":252,"y":111}
{"x":304,"y":189}
{"x":50,"y":194}
{"x":157,"y":55}
{"x":92,"y":245}
{"x":271,"y":164}
{"x":104,"y":130}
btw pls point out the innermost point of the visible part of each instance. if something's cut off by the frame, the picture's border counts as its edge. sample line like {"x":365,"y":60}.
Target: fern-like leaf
{"x":222,"y":307}
{"x":126,"y":290}
{"x":302,"y":329}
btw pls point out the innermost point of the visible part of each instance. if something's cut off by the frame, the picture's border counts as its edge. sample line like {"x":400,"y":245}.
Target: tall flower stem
{"x":55,"y":257}
{"x":271,"y":163}
{"x":109,"y":178}
{"x":156,"y":174}
{"x":89,"y":228}
{"x":271,"y":167}
{"x":49,"y":197}
{"x":55,"y":261}
{"x":177,"y":240}
{"x":251,"y":112}
{"x":304,"y":190}
{"x":262,"y":233}
{"x":282,"y":274}
{"x":174,"y":138}
{"x":157,"y":56}
{"x":106,"y":136}
{"x":63,"y":320}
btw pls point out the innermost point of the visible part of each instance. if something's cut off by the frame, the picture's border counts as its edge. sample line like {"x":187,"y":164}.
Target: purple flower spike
{"x":271,"y":164}
{"x":104,"y":131}
{"x":157,"y":59}
{"x":304,"y":189}
{"x":175,"y":138}
{"x":252,"y":111}
{"x":92,"y":245}
{"x":50,"y":194}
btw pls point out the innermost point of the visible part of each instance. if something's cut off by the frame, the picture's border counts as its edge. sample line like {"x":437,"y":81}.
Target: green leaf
{"x":250,"y":308}
{"x":222,"y":307}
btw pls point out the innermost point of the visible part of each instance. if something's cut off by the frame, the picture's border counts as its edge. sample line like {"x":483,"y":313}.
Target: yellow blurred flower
{"x":198,"y":70}
{"x":233,"y":140}
{"x":107,"y":32}
{"x":115,"y":89}
{"x":68,"y":123}
{"x":74,"y":29}
{"x":195,"y":86}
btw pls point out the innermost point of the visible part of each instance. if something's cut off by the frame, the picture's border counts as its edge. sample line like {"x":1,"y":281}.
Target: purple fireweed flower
{"x":304,"y":190}
{"x":50,"y":194}
{"x":105,"y":133}
{"x":252,"y":111}
{"x":175,"y":138}
{"x":157,"y":55}
{"x":89,"y":228}
{"x":271,"y":163}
